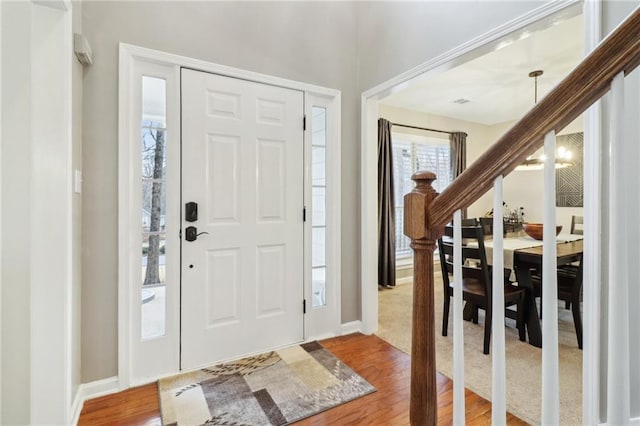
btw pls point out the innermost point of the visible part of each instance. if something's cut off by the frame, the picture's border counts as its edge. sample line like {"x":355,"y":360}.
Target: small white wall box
{"x":82,"y":49}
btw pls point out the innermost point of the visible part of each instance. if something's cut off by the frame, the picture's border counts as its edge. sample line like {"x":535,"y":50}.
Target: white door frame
{"x":479,"y":46}
{"x":317,"y":323}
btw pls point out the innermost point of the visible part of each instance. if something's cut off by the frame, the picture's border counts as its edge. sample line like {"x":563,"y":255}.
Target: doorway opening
{"x":448,"y":105}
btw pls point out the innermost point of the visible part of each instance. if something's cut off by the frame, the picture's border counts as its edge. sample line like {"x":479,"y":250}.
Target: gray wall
{"x":76,"y":243}
{"x":346,"y":46}
{"x":310,"y":42}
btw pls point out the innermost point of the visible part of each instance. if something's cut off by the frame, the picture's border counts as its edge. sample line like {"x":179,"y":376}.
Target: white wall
{"x":37,"y":296}
{"x":16,"y":322}
{"x":525,"y":188}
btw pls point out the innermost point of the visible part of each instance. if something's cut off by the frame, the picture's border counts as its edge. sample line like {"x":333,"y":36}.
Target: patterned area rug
{"x":275,"y":388}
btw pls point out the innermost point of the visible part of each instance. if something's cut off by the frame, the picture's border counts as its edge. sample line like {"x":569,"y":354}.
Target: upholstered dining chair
{"x":476,"y":281}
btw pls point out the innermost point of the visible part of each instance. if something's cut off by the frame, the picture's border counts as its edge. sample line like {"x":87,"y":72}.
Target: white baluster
{"x":458,"y":335}
{"x":592,"y":257}
{"x":618,"y":388}
{"x":498,"y":386}
{"x":550,"y":370}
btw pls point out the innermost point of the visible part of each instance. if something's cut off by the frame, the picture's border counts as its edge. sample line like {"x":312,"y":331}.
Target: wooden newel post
{"x":424,"y":402}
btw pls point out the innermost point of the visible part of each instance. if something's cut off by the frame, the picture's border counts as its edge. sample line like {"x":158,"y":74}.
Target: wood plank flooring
{"x":382,"y":365}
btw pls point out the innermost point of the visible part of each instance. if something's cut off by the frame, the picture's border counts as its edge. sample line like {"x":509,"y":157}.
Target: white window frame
{"x":320,"y":322}
{"x":137,"y":61}
{"x":139,"y":360}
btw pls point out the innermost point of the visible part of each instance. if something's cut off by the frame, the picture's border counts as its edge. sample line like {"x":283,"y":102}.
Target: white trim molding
{"x":135,"y":61}
{"x":1,"y":141}
{"x":351,"y":327}
{"x":634,"y":421}
{"x":87,"y":391}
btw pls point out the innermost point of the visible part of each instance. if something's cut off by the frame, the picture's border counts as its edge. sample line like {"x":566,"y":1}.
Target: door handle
{"x":191,"y":233}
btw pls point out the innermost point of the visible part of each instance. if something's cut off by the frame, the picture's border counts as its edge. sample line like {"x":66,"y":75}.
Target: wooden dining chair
{"x":476,"y":281}
{"x":487,"y":225}
{"x":470,"y":221}
{"x":577,"y":225}
{"x":569,"y":291}
{"x":571,"y":270}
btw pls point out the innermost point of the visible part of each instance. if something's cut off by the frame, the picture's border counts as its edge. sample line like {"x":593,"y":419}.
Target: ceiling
{"x":497,"y":85}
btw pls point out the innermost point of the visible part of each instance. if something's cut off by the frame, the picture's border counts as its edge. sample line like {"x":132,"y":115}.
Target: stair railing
{"x":426,"y":212}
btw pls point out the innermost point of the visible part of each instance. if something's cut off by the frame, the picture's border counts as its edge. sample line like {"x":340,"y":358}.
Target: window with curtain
{"x":412,"y":153}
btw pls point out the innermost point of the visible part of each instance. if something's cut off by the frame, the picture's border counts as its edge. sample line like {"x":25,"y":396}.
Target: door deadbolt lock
{"x":191,"y":233}
{"x":191,"y":211}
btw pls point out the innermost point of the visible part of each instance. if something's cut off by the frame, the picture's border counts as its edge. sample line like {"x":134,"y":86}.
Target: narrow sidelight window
{"x":154,"y":207}
{"x":319,"y":204}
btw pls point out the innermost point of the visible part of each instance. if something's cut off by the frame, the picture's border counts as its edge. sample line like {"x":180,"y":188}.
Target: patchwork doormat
{"x":274,"y":388}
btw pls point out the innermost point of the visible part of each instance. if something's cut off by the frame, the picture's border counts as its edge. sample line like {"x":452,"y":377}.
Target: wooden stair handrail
{"x":587,"y":83}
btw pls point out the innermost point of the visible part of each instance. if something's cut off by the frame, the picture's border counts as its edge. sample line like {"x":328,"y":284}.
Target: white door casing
{"x":242,"y":163}
{"x":142,"y":361}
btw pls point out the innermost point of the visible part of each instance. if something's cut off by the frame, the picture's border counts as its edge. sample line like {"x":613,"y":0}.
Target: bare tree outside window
{"x":153,"y":154}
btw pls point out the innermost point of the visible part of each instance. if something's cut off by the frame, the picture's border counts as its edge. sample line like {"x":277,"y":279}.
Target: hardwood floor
{"x":382,"y":365}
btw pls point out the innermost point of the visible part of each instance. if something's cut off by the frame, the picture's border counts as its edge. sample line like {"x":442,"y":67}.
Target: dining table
{"x":523,"y":255}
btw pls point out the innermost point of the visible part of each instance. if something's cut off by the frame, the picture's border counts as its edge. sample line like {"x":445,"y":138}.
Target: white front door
{"x":242,"y":164}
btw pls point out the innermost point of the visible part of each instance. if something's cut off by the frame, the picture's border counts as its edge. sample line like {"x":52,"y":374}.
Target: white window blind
{"x":410,"y":155}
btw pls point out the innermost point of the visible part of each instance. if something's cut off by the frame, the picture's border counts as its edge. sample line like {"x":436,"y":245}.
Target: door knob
{"x":191,"y":233}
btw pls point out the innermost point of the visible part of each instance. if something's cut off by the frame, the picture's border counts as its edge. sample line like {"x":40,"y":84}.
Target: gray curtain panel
{"x":458,"y":159}
{"x":386,"y":207}
{"x":458,"y":156}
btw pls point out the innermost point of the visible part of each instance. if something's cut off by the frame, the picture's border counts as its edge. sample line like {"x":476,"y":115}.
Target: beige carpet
{"x":523,"y":360}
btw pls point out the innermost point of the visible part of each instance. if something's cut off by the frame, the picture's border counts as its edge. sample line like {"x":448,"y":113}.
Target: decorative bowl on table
{"x":534,"y":230}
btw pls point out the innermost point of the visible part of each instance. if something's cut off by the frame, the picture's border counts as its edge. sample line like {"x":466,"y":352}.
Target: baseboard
{"x":351,"y":327}
{"x":91,"y":390}
{"x":635,"y":421}
{"x":76,"y":406}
